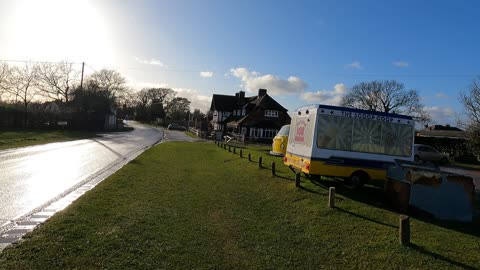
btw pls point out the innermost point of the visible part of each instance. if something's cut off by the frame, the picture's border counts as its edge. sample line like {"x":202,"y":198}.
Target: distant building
{"x":446,"y":139}
{"x":256,"y":118}
{"x":445,"y":132}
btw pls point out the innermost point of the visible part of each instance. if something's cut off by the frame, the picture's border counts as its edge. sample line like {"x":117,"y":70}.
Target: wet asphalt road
{"x":32,"y":176}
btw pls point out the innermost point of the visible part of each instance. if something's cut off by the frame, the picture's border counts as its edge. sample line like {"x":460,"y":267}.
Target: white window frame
{"x":271,"y":113}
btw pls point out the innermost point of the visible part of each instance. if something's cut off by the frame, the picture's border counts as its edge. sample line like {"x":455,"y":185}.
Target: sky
{"x":302,"y":52}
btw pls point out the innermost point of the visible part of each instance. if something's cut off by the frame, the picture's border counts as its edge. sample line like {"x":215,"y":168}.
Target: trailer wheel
{"x":357,"y":180}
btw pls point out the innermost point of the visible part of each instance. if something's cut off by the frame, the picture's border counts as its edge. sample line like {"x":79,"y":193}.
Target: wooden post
{"x":241,"y":153}
{"x":404,"y":230}
{"x":260,"y":162}
{"x":331,"y":197}
{"x":297,"y":179}
{"x":224,"y":146}
{"x":273,"y":167}
{"x":249,"y":157}
{"x":229,"y":149}
{"x":234,"y":150}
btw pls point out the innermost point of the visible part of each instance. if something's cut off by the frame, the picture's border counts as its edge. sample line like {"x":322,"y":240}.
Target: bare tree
{"x":24,"y":84}
{"x":471,"y":102}
{"x":5,"y":76}
{"x":178,"y":108}
{"x":142,"y":98}
{"x":386,"y":96}
{"x":160,"y":95}
{"x":151,"y":102}
{"x":110,"y":81}
{"x":58,"y":80}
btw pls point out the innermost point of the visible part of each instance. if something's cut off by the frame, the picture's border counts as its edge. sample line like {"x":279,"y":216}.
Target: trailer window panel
{"x":334,"y":132}
{"x":364,"y":135}
{"x":367,"y":136}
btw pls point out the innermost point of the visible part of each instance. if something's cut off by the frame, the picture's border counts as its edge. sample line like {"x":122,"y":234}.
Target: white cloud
{"x":441,"y":115}
{"x":400,"y":64}
{"x":252,"y":81}
{"x":152,"y":61}
{"x":441,"y":96}
{"x":206,"y":74}
{"x":354,"y":65}
{"x":329,"y":97}
{"x":197,"y":100}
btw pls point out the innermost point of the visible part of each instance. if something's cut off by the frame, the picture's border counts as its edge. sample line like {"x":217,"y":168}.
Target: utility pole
{"x":81,"y":80}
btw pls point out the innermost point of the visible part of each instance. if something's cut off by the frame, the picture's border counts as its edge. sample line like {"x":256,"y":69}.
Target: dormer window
{"x":271,"y":113}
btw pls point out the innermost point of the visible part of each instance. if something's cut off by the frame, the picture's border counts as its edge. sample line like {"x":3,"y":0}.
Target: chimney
{"x":262,"y":92}
{"x":241,"y":97}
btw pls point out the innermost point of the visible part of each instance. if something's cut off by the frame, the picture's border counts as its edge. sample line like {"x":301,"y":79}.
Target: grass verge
{"x":191,"y":135}
{"x":194,"y":205}
{"x":20,"y":138}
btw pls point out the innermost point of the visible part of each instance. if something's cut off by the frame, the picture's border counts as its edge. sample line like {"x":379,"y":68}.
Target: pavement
{"x":179,"y":136}
{"x":38,"y":181}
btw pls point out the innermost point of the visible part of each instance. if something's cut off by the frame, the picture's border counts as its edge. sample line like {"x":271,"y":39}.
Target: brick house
{"x":257,"y":118}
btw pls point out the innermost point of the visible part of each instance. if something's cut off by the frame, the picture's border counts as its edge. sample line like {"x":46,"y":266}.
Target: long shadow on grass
{"x":366,"y":218}
{"x":440,"y":257}
{"x":373,"y":195}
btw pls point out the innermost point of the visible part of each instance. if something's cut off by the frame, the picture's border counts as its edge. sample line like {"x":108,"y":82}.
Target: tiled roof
{"x":452,"y":134}
{"x":223,"y":103}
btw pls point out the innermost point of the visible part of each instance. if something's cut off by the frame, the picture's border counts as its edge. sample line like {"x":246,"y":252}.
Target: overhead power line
{"x":38,"y":62}
{"x":164,"y":69}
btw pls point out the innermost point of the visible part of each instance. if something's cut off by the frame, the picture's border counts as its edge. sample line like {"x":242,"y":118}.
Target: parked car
{"x":428,"y":153}
{"x":176,"y":127}
{"x":279,"y":145}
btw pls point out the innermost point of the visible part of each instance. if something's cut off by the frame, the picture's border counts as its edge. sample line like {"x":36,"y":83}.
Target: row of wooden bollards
{"x":404,"y":225}
{"x":260,"y":159}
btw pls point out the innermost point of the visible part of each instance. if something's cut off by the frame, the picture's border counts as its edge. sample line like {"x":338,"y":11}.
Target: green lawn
{"x":197,"y":206}
{"x":20,"y":138}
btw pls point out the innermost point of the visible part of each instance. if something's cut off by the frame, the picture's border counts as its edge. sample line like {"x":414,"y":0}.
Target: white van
{"x":356,"y":145}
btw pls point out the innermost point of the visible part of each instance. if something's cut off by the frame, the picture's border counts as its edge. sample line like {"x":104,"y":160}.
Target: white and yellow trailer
{"x":356,"y":145}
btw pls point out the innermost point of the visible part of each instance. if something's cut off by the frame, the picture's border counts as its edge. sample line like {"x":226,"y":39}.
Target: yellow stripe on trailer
{"x":322,"y":168}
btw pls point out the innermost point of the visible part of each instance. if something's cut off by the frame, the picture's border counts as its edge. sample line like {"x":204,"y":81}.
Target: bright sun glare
{"x":59,"y":29}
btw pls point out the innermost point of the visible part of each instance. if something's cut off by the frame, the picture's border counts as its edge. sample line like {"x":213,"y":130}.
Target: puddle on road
{"x":434,"y":193}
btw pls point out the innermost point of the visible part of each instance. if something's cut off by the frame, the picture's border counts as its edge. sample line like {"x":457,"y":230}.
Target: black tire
{"x":416,"y":158}
{"x":357,"y":180}
{"x":443,"y":161}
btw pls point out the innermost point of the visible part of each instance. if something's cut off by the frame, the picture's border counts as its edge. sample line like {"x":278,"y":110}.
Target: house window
{"x":235,"y":113}
{"x":244,"y":111}
{"x":271,"y":113}
{"x":263,"y":132}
